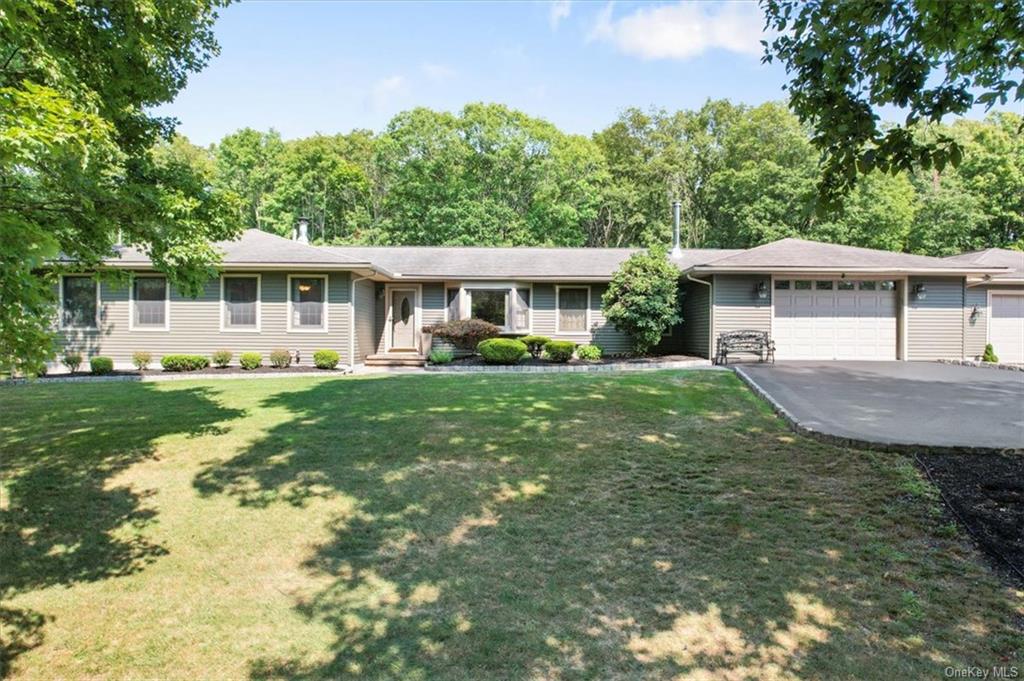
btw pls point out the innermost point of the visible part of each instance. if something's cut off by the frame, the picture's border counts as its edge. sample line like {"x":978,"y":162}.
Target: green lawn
{"x":470,"y":527}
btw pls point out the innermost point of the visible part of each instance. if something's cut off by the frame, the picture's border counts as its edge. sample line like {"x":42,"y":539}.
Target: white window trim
{"x":558,"y":309}
{"x":466,"y":303}
{"x":259,"y":304}
{"x":323,"y":328}
{"x":60,"y":317}
{"x":417,"y":312}
{"x":458,"y":300}
{"x":132,"y":326}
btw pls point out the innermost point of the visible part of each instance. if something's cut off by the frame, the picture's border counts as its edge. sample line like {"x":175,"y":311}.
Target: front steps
{"x":396,"y":359}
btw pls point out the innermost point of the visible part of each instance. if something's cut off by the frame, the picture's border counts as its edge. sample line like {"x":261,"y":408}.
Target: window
{"x":845,"y":285}
{"x":782,"y":284}
{"x":452,"y":303}
{"x":307,"y":297}
{"x":573,"y":304}
{"x":149,"y":303}
{"x":79,"y":300}
{"x":822,"y":285}
{"x":489,"y":305}
{"x":241,"y":295}
{"x":887,"y":286}
{"x":802,"y":285}
{"x":866,"y":285}
{"x":522,"y":309}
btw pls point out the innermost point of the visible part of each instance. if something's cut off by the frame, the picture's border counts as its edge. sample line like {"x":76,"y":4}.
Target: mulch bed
{"x":987,"y":492}
{"x":477,"y":360}
{"x":211,"y":371}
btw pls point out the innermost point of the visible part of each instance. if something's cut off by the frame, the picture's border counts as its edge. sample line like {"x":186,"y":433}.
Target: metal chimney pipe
{"x":677,"y":250}
{"x":303,"y":231}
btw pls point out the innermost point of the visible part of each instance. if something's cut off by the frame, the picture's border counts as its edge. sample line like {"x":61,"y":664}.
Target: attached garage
{"x":835,"y":319}
{"x":1006,"y":325}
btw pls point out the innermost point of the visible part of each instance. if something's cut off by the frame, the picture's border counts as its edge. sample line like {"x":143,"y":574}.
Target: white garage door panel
{"x":835,"y":324}
{"x":1006,"y":328}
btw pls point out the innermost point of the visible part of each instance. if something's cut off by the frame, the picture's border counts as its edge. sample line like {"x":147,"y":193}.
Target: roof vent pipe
{"x":677,"y":250}
{"x":302,"y":231}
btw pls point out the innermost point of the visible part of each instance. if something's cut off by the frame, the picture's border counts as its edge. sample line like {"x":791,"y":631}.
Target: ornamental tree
{"x":642,"y":299}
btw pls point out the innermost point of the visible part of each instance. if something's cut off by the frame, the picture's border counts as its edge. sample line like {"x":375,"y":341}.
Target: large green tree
{"x":80,"y":155}
{"x":931,"y":58}
{"x":249,"y":165}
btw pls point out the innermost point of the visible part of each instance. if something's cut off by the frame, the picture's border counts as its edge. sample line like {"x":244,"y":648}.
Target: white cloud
{"x":560,"y":9}
{"x":437,"y":72}
{"x":386,"y":91}
{"x":682,"y":30}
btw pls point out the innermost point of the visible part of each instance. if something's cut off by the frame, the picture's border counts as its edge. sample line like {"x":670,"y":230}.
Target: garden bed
{"x":987,"y":493}
{"x":476,"y":363}
{"x":160,"y":374}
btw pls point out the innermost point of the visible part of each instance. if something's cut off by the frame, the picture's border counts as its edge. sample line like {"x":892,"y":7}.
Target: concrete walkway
{"x":898,"y":405}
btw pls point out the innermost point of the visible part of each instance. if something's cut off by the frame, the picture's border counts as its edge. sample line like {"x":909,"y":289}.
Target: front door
{"x":403,"y":319}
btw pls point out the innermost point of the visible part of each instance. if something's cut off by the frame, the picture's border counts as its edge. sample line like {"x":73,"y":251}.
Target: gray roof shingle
{"x":994,"y":257}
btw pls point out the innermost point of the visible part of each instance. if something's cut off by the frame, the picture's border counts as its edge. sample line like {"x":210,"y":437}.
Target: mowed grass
{"x":568,"y":526}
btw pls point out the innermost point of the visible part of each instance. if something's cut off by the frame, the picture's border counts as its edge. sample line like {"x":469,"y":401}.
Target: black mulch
{"x":209,"y":371}
{"x":477,"y":360}
{"x":987,"y":492}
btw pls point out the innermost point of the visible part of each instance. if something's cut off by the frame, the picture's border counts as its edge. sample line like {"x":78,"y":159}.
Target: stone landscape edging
{"x":859,"y":443}
{"x":568,"y":368}
{"x":983,"y":365}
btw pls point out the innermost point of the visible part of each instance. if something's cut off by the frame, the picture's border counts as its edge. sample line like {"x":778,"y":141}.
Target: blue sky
{"x":307,"y":67}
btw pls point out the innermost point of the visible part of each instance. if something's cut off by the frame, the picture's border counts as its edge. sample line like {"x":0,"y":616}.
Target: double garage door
{"x":835,"y":319}
{"x":1006,"y":327}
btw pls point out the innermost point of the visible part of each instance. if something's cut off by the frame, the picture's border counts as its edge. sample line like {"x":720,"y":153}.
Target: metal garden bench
{"x":745,"y":341}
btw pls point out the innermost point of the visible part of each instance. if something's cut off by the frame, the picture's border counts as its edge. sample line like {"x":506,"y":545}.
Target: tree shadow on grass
{"x":61,"y":522}
{"x":636,"y":526}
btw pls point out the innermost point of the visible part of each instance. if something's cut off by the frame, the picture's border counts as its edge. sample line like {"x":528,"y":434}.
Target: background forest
{"x":489,"y":175}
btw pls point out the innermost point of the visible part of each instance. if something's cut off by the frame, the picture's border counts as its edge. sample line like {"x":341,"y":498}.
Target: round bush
{"x":184,"y":362}
{"x":535,"y":344}
{"x":280,"y":358}
{"x":501,"y":350}
{"x":101,"y":365}
{"x":250,"y":360}
{"x":590,"y":353}
{"x":141,"y":359}
{"x":222,"y":358}
{"x":559,"y":351}
{"x":72,"y":361}
{"x":326,"y":359}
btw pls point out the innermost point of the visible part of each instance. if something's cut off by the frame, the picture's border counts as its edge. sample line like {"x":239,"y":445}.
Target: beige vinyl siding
{"x":696,"y":327}
{"x":365,"y":312}
{"x":195,"y":324}
{"x":736,"y":305}
{"x":935,"y":325}
{"x":601,"y":333}
{"x":975,"y":331}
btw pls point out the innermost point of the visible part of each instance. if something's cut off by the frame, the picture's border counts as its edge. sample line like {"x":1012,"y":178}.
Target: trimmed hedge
{"x":535,"y":344}
{"x":465,"y":334}
{"x":250,"y":360}
{"x":280,"y":358}
{"x":101,"y":365}
{"x":222,"y":358}
{"x":184,"y":362}
{"x":326,"y":359}
{"x":72,"y":360}
{"x":559,"y":351}
{"x":590,"y":353}
{"x":501,"y":350}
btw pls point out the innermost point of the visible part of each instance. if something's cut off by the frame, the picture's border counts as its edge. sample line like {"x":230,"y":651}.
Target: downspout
{"x":711,"y":314}
{"x":352,"y":320}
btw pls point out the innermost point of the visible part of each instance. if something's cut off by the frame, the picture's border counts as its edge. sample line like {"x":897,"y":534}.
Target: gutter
{"x":847,"y":270}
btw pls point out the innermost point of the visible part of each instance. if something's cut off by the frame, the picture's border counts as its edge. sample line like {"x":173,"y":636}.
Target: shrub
{"x":280,"y":358}
{"x":141,"y":359}
{"x":441,"y":356}
{"x":184,"y":362}
{"x":222,"y":358}
{"x":465,"y":334}
{"x":535,"y":344}
{"x":590,"y":353}
{"x":250,"y":360}
{"x":559,"y":351}
{"x":990,"y":354}
{"x":101,"y":365}
{"x":642,"y":299}
{"x":501,"y":350}
{"x":326,"y":359}
{"x":72,"y":360}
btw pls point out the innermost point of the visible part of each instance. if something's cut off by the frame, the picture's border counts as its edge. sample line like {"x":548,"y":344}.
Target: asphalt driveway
{"x":904,"y":403}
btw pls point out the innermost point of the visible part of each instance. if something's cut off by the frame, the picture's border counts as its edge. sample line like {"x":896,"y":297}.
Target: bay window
{"x":505,"y":306}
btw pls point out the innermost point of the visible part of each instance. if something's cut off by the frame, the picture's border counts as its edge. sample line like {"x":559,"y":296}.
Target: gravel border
{"x":858,"y":443}
{"x":570,"y":368}
{"x":983,"y":365}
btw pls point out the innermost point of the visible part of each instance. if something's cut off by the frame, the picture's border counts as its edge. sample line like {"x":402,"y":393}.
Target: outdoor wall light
{"x":920,"y":292}
{"x":974,"y":314}
{"x":761,"y":290}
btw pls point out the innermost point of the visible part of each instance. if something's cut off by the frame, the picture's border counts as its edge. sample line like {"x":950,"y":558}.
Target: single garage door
{"x":1006,"y":328}
{"x":835,"y":319}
